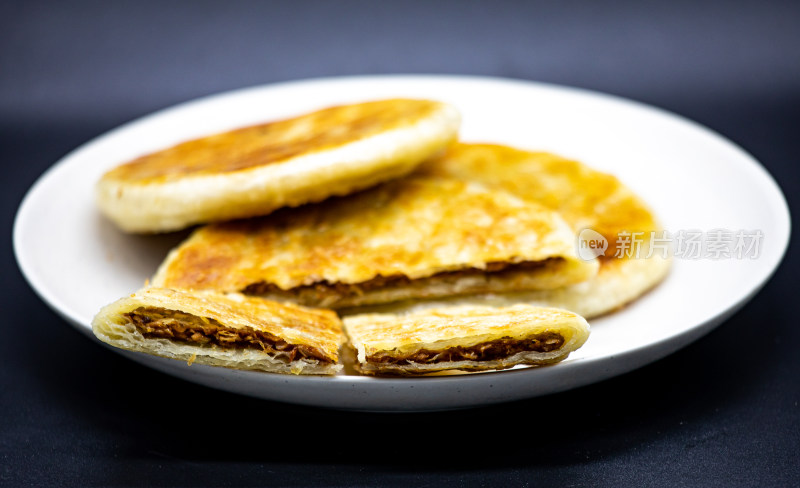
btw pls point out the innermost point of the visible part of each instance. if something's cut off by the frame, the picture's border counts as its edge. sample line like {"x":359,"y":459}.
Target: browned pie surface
{"x":273,"y":142}
{"x":586,"y":198}
{"x":414,"y":228}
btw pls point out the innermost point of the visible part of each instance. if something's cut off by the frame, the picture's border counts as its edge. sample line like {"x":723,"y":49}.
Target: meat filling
{"x":487,"y":351}
{"x":155,"y":322}
{"x":311,"y":294}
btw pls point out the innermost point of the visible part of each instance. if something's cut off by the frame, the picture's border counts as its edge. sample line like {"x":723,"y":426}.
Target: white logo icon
{"x":591,"y":244}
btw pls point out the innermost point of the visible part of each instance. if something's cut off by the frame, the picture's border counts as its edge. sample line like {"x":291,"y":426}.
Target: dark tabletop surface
{"x":721,"y":412}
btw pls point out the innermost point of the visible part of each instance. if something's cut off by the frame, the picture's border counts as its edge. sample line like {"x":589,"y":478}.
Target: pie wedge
{"x":470,"y":338}
{"x":230,"y":330}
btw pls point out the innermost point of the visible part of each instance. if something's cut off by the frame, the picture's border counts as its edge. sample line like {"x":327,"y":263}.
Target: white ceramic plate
{"x":693,"y":178}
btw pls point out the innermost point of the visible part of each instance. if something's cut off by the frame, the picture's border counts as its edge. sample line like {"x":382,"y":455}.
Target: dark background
{"x":722,"y":412}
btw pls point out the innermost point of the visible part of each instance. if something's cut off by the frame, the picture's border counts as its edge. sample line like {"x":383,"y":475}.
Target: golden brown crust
{"x":137,"y":323}
{"x":467,"y":338}
{"x":584,"y":197}
{"x":255,"y":170}
{"x":412,"y":228}
{"x":263,"y":144}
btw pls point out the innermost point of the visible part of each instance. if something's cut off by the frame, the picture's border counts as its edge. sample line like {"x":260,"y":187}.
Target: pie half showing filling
{"x":469,"y":338}
{"x":413,"y":238}
{"x":223,"y":330}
